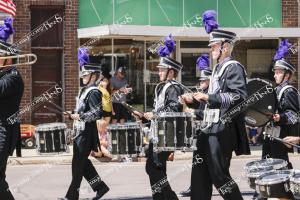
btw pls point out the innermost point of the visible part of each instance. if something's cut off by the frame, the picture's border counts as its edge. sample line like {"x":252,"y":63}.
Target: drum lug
{"x":257,"y":188}
{"x":268,"y":190}
{"x":286,"y":187}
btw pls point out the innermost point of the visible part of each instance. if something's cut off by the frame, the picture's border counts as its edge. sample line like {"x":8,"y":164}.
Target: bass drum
{"x":263,"y":100}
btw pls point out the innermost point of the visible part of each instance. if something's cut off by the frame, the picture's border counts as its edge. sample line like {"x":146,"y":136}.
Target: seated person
{"x":103,"y":139}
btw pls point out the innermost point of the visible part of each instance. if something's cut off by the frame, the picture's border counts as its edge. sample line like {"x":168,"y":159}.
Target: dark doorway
{"x":47,"y":71}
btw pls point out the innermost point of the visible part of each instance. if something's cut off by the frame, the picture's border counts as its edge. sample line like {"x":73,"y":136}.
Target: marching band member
{"x":88,"y":110}
{"x":198,"y":107}
{"x":166,"y":100}
{"x":226,"y":89}
{"x":286,"y":120}
{"x":11,"y":92}
{"x":292,"y":139}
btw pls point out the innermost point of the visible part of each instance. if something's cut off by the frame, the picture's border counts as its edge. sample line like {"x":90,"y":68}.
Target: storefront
{"x":129,"y":32}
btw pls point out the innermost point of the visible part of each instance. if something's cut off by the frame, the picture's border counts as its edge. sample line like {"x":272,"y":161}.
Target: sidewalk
{"x":30,"y":156}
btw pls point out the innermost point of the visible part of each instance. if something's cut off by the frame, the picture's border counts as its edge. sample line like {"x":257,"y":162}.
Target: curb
{"x":67,"y":159}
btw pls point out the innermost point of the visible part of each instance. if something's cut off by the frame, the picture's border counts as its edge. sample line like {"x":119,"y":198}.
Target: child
{"x":104,"y":140}
{"x":104,"y":87}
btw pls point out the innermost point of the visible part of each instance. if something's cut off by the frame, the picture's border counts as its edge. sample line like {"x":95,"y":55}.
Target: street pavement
{"x":127,"y":180}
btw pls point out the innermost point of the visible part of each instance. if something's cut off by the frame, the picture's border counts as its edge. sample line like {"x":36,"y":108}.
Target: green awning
{"x":179,"y":13}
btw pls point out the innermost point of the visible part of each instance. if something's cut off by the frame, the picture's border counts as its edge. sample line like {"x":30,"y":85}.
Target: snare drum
{"x":256,"y":168}
{"x":174,"y":131}
{"x":126,"y":138}
{"x":295,"y":185}
{"x":253,"y":173}
{"x":51,"y":138}
{"x":274,"y":184}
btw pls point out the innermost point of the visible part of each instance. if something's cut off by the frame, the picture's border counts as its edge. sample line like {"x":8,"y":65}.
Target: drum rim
{"x":175,"y":114}
{"x":276,"y":166}
{"x":259,"y":79}
{"x":124,"y":126}
{"x":257,"y":174}
{"x":259,"y":181}
{"x":51,"y":126}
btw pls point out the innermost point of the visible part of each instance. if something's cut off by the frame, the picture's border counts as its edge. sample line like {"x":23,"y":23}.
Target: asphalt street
{"x":126,"y":180}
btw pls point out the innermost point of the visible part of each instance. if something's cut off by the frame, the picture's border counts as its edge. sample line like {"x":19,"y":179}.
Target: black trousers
{"x":196,"y":154}
{"x":213,"y":170}
{"x":161,"y":189}
{"x":82,"y":167}
{"x":5,"y":146}
{"x":275,"y":149}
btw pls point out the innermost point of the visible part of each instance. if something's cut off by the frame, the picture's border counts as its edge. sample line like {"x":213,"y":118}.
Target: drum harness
{"x":212,"y":115}
{"x":79,"y":125}
{"x":273,"y":131}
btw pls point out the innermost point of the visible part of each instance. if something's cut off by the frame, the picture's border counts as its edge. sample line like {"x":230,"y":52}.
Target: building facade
{"x":129,"y":32}
{"x":52,"y":25}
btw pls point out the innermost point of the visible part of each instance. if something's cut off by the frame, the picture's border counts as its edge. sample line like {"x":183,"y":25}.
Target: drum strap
{"x":216,"y":77}
{"x":226,"y":65}
{"x":284,"y":89}
{"x":160,"y":98}
{"x":83,"y":95}
{"x":87,"y":91}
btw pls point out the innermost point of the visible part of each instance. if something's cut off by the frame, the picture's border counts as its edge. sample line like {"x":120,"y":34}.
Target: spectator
{"x":253,"y":133}
{"x":119,"y":91}
{"x":104,"y":140}
{"x":104,"y":87}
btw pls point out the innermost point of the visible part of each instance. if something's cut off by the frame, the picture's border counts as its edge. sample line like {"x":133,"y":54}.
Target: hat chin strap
{"x":283,"y":77}
{"x":221,"y":51}
{"x":167,"y":74}
{"x":89,"y":80}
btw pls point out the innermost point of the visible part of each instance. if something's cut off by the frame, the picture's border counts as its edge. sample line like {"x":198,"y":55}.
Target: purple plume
{"x":6,"y":29}
{"x":209,"y":20}
{"x":163,"y":51}
{"x":283,"y":50}
{"x":170,"y":43}
{"x":203,"y":62}
{"x":168,"y":47}
{"x":83,"y":56}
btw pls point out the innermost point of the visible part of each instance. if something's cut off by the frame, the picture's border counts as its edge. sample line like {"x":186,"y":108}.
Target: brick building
{"x":56,"y":49}
{"x":128,"y":43}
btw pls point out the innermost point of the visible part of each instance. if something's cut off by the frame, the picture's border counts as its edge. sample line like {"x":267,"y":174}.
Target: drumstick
{"x":131,"y":108}
{"x":269,"y":115}
{"x":53,"y":110}
{"x":281,"y":140}
{"x":58,"y":107}
{"x":57,"y":111}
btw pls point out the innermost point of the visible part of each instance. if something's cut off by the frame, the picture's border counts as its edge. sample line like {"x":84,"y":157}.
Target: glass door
{"x":190,"y":73}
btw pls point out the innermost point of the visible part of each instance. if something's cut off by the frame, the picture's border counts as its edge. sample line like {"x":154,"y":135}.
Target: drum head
{"x":296,"y":178}
{"x":258,"y":171}
{"x":264,"y":95}
{"x":275,"y":163}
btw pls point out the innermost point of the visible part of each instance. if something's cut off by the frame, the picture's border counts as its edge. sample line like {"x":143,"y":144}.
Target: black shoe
{"x":102,"y":191}
{"x":186,"y":193}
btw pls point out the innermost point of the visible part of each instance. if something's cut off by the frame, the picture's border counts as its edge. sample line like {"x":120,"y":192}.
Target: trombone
{"x":23,"y":59}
